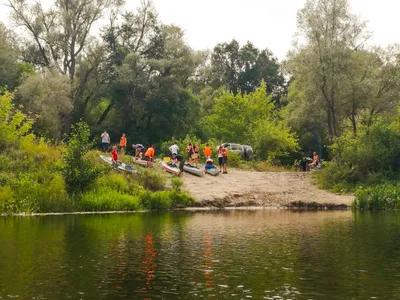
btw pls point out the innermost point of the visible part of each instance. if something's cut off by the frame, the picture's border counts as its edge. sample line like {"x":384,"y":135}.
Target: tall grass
{"x":166,"y":200}
{"x":108,"y":200}
{"x":380,"y":197}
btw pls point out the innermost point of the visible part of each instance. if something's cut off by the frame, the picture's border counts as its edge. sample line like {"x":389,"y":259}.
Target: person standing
{"x":189,"y":151}
{"x":174,"y":148}
{"x":105,"y":140}
{"x":220,"y":157}
{"x":207,"y":151}
{"x":196,"y":154}
{"x":224,"y":160}
{"x":149,"y":155}
{"x":122,"y":144}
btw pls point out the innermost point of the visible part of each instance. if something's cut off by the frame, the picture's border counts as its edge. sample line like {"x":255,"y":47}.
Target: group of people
{"x":192,"y":152}
{"x":193,"y":156}
{"x":139,"y":149}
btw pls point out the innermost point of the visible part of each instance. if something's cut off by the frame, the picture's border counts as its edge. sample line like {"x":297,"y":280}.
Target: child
{"x":209,"y":164}
{"x":224,"y":159}
{"x":149,"y":155}
{"x":220,"y":157}
{"x":122,"y":144}
{"x":114,"y":154}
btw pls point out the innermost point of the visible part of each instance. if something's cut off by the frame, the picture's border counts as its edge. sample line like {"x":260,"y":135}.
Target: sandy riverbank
{"x":248,"y":188}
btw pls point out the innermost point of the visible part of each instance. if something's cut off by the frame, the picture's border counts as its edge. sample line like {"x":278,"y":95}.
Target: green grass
{"x":380,"y":197}
{"x":166,"y":200}
{"x":108,"y":200}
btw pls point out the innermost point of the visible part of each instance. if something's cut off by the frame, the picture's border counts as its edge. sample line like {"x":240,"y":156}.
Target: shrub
{"x":234,"y":159}
{"x":151,"y":179}
{"x":6,"y":200}
{"x":108,"y":200}
{"x":177,"y":184}
{"x":78,"y":171}
{"x":118,"y":182}
{"x":166,"y":200}
{"x":380,"y":197}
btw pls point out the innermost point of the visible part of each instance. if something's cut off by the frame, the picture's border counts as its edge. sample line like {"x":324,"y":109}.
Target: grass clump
{"x":108,"y":200}
{"x":166,"y":200}
{"x":380,"y":197}
{"x":151,"y":180}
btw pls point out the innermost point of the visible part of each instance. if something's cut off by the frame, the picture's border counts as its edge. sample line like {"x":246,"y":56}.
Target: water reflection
{"x":185,"y":255}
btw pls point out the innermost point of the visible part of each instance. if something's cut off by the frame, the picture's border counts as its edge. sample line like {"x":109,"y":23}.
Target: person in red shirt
{"x":149,"y":155}
{"x":114,"y":154}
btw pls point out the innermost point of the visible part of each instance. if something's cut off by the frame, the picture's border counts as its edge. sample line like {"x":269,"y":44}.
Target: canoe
{"x":170,"y":169}
{"x":140,"y":162}
{"x":193,"y":170}
{"x":121,"y":166}
{"x":212,"y":171}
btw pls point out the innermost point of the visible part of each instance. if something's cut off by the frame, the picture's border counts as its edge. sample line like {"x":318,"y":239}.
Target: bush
{"x":166,"y":200}
{"x":118,"y":182}
{"x":177,"y":184}
{"x":108,"y":200}
{"x":151,"y":179}
{"x":6,"y":200}
{"x":371,"y":157}
{"x":380,"y":197}
{"x":234,"y":159}
{"x":78,"y":171}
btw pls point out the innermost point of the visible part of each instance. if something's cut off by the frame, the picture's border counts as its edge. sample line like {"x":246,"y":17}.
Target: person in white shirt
{"x":174,"y":149}
{"x":105,"y":140}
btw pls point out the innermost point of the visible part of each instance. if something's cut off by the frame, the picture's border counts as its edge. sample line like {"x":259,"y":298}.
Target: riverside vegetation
{"x":36,"y":176}
{"x":335,"y":93}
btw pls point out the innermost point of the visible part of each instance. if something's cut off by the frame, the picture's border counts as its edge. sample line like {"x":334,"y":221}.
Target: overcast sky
{"x":267,"y":23}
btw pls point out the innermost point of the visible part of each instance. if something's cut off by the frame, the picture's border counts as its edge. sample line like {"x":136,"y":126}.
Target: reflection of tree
{"x":208,"y":261}
{"x":149,"y":264}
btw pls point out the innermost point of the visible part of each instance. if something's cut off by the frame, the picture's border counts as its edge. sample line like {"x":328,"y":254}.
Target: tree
{"x":46,"y":96}
{"x":59,"y":37}
{"x":241,"y":69}
{"x":332,"y":35}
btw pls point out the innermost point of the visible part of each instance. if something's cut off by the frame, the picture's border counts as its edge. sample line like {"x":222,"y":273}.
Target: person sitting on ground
{"x":174,"y":148}
{"x":224,"y":160}
{"x":220,"y":157}
{"x":149,"y":155}
{"x":207,"y":151}
{"x":209,"y":164}
{"x":122,"y":144}
{"x":315,"y":161}
{"x":139,"y":149}
{"x":105,"y":140}
{"x":114,"y":155}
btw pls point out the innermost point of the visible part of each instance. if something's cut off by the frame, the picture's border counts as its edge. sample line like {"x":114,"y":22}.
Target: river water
{"x":234,"y":254}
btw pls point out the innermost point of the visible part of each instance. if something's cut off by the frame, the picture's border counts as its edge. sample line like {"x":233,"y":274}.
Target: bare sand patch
{"x":244,"y":188}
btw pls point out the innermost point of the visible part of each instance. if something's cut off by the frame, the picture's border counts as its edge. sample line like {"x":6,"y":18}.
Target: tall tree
{"x":242,"y":69}
{"x":332,"y":34}
{"x":58,"y":37}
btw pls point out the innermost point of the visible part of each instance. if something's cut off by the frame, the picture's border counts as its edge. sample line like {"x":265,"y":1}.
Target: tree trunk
{"x":105,"y":113}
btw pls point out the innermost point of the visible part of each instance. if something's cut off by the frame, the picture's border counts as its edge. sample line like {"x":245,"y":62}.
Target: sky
{"x":266,"y":23}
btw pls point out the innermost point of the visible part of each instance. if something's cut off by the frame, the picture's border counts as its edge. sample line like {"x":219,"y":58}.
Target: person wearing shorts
{"x":122,"y":144}
{"x":220,"y":157}
{"x":105,"y":140}
{"x":224,"y":160}
{"x":149,"y":155}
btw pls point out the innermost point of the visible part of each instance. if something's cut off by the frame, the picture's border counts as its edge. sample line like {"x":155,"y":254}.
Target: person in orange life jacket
{"x":207,"y":151}
{"x":149,"y":155}
{"x":224,"y":159}
{"x":220,"y":156}
{"x":114,"y":155}
{"x":122,"y":144}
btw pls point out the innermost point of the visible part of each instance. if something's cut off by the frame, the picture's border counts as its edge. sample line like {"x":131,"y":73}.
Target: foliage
{"x":380,"y":197}
{"x":251,"y":119}
{"x":166,"y":200}
{"x":151,"y":179}
{"x":108,"y":200}
{"x":234,"y":159}
{"x":177,"y":184}
{"x":78,"y":172}
{"x":370,"y":157}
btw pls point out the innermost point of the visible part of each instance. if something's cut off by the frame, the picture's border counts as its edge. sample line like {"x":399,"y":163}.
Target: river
{"x":232,"y":254}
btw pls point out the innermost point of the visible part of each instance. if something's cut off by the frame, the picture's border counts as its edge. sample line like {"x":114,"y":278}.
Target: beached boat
{"x":170,"y":168}
{"x":140,"y":162}
{"x":212,"y":171}
{"x":121,"y":165}
{"x":193,"y":170}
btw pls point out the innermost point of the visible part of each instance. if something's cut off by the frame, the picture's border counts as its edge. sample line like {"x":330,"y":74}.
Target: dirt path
{"x":242,"y":188}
